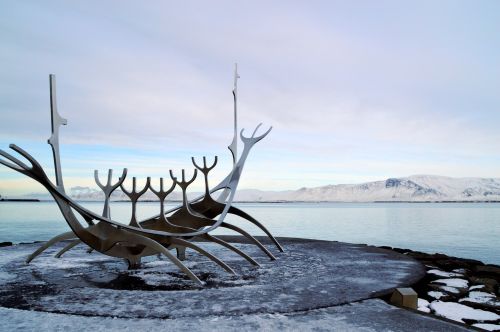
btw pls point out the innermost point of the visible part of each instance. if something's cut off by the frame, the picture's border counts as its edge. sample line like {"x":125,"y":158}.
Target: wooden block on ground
{"x":405,"y":297}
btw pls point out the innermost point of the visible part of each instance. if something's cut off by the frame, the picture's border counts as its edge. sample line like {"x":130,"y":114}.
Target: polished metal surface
{"x":233,"y":147}
{"x":134,"y":196}
{"x":56,"y":122}
{"x":108,"y":188}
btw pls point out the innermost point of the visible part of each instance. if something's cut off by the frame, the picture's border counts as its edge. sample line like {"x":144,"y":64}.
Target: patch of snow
{"x":60,"y":264}
{"x":368,"y":316}
{"x":440,"y":273}
{"x":423,"y":302}
{"x":423,"y":305}
{"x":458,"y":312}
{"x":448,"y":289}
{"x":156,"y":263}
{"x":6,"y":276}
{"x":453,"y":282}
{"x":487,"y":327}
{"x":481,"y":297}
{"x":476,"y":287}
{"x":424,"y":309}
{"x":461,"y":271}
{"x":436,"y":295}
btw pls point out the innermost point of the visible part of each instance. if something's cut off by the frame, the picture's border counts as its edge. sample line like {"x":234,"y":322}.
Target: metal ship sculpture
{"x":177,"y":228}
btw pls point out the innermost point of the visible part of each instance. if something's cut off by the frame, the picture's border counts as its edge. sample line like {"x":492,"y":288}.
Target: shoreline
{"x":459,"y":283}
{"x":19,"y":200}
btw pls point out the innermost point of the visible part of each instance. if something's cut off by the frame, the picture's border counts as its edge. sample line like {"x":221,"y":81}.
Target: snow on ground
{"x":452,"y":290}
{"x":440,"y":273}
{"x":435,"y":294}
{"x":475,"y":287}
{"x":458,"y":312}
{"x":423,"y":305}
{"x":453,"y":282}
{"x":366,"y":316}
{"x":6,"y":276}
{"x":481,"y":297}
{"x":461,"y":271}
{"x":487,"y":327}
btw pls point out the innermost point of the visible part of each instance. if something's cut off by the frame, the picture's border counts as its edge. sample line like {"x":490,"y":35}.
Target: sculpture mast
{"x":56,"y":121}
{"x":233,"y":147}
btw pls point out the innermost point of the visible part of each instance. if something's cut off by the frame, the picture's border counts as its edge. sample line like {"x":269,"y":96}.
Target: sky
{"x":355,"y":91}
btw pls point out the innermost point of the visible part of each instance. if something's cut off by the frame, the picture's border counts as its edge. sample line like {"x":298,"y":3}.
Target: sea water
{"x":469,"y":230}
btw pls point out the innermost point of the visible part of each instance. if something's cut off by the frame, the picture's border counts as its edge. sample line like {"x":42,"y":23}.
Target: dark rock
{"x":482,"y":306}
{"x":492,"y":271}
{"x":5,"y":244}
{"x":446,"y":298}
{"x":465,"y":272}
{"x":452,"y":263}
{"x":475,"y":271}
{"x":450,"y":295}
{"x":490,"y":285}
{"x":440,"y":256}
{"x":471,"y":261}
{"x":421,"y":256}
{"x":428,"y":264}
{"x":401,"y":251}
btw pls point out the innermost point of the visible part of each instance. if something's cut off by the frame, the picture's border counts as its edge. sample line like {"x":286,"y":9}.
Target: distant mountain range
{"x":417,"y":188}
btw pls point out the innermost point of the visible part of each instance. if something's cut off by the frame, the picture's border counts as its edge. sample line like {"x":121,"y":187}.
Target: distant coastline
{"x":261,"y":201}
{"x":412,"y":189}
{"x":19,"y":200}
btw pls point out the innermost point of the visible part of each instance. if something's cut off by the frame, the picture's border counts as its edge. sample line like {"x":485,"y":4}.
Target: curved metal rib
{"x":70,"y":245}
{"x":58,"y":238}
{"x":211,"y":208}
{"x":109,"y":188}
{"x":202,"y":251}
{"x":249,"y":237}
{"x":161,"y":249}
{"x":246,"y":216}
{"x":230,"y":247}
{"x":134,"y":196}
{"x":162,"y":194}
{"x":252,"y":139}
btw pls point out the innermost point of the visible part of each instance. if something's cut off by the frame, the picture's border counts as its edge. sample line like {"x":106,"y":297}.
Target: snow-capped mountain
{"x":416,"y":188}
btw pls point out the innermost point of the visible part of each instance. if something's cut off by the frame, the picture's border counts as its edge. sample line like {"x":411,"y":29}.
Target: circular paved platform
{"x":308,"y":275}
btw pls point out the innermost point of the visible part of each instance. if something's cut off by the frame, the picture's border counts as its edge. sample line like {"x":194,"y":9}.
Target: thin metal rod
{"x":56,"y":122}
{"x":233,"y":147}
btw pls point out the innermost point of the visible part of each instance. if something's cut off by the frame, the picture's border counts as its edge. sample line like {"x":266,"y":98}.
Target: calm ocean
{"x":470,"y":230}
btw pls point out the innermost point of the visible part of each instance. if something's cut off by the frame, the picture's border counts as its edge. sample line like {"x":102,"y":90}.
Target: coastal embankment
{"x":460,"y":289}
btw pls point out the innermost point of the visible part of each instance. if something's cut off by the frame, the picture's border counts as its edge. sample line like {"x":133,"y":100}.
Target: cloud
{"x":394,"y":88}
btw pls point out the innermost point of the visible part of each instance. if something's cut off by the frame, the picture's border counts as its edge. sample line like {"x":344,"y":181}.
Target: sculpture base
{"x":309,"y":274}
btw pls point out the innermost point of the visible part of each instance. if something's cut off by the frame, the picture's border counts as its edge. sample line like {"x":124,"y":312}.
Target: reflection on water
{"x":467,"y":230}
